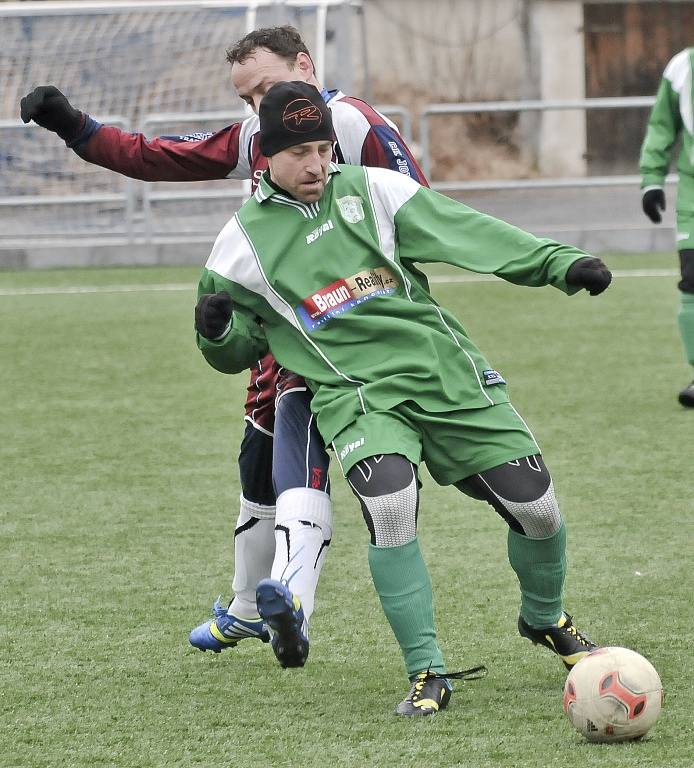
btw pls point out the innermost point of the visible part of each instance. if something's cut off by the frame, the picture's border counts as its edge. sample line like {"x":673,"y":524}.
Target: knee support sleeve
{"x":522,"y":492}
{"x":388,"y":492}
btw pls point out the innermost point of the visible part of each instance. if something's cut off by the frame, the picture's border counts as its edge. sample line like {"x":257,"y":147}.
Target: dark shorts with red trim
{"x":268,"y":381}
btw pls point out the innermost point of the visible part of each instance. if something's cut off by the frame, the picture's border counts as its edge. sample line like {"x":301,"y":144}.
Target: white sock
{"x":303,"y":529}
{"x":254,"y":550}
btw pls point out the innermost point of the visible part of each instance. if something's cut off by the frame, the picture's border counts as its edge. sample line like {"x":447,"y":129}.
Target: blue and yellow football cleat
{"x":226,"y":630}
{"x":564,"y":639}
{"x":284,"y":615}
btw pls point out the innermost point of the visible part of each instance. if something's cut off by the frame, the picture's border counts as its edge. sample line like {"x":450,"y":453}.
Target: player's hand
{"x":653,"y":202}
{"x":50,"y":109}
{"x":589,"y":273}
{"x":213,"y":315}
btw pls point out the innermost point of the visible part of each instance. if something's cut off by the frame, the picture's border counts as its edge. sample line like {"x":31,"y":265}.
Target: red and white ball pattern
{"x":613,"y":694}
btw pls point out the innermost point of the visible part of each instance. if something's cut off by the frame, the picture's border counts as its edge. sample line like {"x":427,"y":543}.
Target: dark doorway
{"x":627,"y":46}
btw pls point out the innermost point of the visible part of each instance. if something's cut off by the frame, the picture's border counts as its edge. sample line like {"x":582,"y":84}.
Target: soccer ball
{"x":613,"y":694}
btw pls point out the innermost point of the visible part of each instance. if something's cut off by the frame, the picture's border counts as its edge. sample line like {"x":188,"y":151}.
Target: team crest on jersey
{"x":345,"y":294}
{"x":351,"y":208}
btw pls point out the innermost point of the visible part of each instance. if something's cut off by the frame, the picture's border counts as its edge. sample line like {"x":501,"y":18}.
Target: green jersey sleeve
{"x":664,"y":125}
{"x":433,"y":228}
{"x":244,"y":344}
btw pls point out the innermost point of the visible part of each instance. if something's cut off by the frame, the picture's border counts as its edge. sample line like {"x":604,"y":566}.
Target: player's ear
{"x":304,"y":64}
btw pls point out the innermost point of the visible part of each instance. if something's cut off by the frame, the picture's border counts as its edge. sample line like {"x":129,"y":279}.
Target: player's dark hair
{"x":284,"y":41}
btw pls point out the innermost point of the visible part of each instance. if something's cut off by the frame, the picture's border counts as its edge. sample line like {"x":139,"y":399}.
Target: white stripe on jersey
{"x":234,"y":258}
{"x":386,"y":200}
{"x":351,"y":128}
{"x":679,"y":73}
{"x":249,"y":127}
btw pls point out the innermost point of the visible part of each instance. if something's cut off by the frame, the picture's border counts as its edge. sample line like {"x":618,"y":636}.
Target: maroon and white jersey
{"x":363,"y":137}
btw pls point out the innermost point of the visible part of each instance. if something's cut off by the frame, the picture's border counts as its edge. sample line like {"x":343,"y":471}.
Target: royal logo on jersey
{"x":351,"y":208}
{"x":318,"y":231}
{"x":345,"y":294}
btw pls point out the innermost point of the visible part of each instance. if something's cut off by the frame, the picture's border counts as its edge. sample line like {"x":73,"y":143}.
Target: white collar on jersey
{"x":266,"y":191}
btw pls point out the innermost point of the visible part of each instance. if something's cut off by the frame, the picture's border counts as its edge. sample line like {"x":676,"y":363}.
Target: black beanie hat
{"x":293,"y":113}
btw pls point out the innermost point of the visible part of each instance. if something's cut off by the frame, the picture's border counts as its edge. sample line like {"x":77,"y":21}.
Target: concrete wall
{"x":443,"y":50}
{"x":556,"y":30}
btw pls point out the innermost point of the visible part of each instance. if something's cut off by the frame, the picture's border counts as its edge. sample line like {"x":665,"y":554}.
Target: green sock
{"x":540,"y":565}
{"x":685,"y":320}
{"x":404,"y":589}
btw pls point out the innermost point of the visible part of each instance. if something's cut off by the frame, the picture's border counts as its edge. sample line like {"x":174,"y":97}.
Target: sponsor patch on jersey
{"x":351,"y":208}
{"x":492,"y":377}
{"x":345,"y":294}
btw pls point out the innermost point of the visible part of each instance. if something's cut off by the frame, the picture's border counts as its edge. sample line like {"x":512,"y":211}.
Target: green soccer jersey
{"x":672,"y":115}
{"x":332,"y":289}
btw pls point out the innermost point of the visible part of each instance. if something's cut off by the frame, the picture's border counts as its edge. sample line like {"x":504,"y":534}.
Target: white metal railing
{"x":149,"y":196}
{"x":126,"y":198}
{"x":233,"y":192}
{"x":432,"y":110}
{"x":137,"y":198}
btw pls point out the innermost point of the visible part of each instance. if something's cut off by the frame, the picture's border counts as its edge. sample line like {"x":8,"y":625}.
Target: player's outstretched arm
{"x":433,"y":228}
{"x":196,"y":157}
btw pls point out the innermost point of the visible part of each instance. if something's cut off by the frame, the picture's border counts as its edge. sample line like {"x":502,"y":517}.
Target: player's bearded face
{"x":302,"y":170}
{"x":253,"y":78}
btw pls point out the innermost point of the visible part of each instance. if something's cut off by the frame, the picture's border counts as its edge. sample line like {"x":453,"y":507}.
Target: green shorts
{"x":453,"y":445}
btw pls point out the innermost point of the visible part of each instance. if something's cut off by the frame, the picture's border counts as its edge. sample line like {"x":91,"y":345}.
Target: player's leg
{"x":303,"y":525}
{"x":388,"y":492}
{"x":685,"y":246}
{"x":483,"y":447}
{"x":254,"y":537}
{"x":378,"y":455}
{"x":522,"y":492}
{"x":685,"y":317}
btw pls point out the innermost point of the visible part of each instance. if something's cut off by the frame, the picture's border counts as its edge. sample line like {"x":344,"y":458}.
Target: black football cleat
{"x":686,"y":396}
{"x":431,"y":691}
{"x":282,"y":612}
{"x":562,"y":638}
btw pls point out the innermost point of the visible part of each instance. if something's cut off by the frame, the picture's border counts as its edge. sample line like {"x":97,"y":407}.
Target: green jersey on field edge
{"x":672,"y":115}
{"x":332,"y":289}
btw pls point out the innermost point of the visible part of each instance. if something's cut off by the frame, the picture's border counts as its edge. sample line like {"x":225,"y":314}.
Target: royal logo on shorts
{"x":345,"y":294}
{"x":352,"y":447}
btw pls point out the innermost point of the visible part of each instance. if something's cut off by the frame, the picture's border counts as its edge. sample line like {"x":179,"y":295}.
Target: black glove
{"x":212,"y":315}
{"x":653,"y":202}
{"x":49,"y":108}
{"x":589,"y":273}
